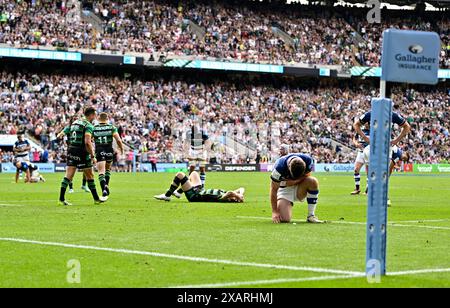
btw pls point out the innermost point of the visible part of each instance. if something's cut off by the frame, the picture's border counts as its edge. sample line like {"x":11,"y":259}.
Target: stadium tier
{"x":151,"y":114}
{"x":249,"y":31}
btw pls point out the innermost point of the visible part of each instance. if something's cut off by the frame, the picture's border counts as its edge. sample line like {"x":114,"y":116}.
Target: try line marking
{"x":339,"y":273}
{"x":319,"y":278}
{"x":393,"y":224}
{"x":187,"y":258}
{"x":10,"y":205}
{"x":261,"y":282}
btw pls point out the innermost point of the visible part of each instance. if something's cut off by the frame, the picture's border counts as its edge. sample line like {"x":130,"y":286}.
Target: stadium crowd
{"x":153,"y":115}
{"x":245,"y":31}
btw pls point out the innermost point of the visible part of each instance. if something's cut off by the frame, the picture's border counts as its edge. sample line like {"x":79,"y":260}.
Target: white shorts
{"x":360,"y":158}
{"x":197,"y":158}
{"x":367,"y":152}
{"x":24,"y":159}
{"x":289,"y":193}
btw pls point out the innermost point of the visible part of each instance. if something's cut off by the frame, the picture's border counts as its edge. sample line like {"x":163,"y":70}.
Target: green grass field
{"x":135,"y":241}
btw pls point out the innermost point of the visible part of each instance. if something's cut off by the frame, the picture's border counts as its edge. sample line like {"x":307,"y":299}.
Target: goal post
{"x":410,"y":57}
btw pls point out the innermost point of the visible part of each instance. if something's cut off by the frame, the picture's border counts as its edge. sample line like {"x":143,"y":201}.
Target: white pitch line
{"x":422,"y":271}
{"x":186,"y":258}
{"x":261,"y":282}
{"x":418,"y":221}
{"x":319,"y":278}
{"x":11,"y":205}
{"x":414,"y":226}
{"x":392,"y":224}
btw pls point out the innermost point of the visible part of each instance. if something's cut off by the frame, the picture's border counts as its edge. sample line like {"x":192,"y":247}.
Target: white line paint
{"x":416,"y":226}
{"x":422,"y":271}
{"x":418,"y":221}
{"x":269,"y":281}
{"x":393,"y":224}
{"x":186,"y":258}
{"x":11,"y":205}
{"x":319,"y":278}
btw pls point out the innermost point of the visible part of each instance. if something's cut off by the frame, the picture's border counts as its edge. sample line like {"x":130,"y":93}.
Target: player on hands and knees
{"x":21,"y":151}
{"x":195,"y":192}
{"x":35,"y":176}
{"x":22,"y":166}
{"x":291,"y":181}
{"x":81,"y":155}
{"x":104,"y":135}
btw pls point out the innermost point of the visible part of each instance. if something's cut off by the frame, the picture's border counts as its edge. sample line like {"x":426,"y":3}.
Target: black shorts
{"x":79,"y":158}
{"x":104,"y":154}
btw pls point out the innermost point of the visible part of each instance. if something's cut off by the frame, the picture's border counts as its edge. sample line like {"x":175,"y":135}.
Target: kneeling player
{"x":35,"y":176}
{"x":291,"y":181}
{"x":194,"y":191}
{"x":22,"y":166}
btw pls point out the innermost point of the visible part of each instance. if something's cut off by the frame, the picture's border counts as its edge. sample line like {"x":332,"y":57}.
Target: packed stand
{"x":235,"y":31}
{"x":153,"y":116}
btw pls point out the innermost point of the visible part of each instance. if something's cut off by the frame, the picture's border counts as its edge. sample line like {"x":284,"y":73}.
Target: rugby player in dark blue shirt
{"x":364,"y":139}
{"x":292,"y":181}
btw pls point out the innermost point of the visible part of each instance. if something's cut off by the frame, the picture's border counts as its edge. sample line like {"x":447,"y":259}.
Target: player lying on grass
{"x":194,"y":191}
{"x":292,"y":181}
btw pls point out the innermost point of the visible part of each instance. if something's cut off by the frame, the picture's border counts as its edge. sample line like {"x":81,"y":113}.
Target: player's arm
{"x":356,"y":143}
{"x":61,"y":134}
{"x":28,"y":148}
{"x":64,"y":132}
{"x":406,"y":129}
{"x":119,"y":143}
{"x":295,"y":182}
{"x":391,"y":167}
{"x":89,"y":146}
{"x":274,"y":187}
{"x":28,"y":176}
{"x":357,"y":126}
{"x":232,"y":196}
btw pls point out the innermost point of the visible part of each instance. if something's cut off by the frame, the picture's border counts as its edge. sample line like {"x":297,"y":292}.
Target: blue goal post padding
{"x":378,"y":179}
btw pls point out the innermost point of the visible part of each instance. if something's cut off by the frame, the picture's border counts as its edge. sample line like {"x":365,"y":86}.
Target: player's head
{"x":90,"y":113}
{"x":20,"y":136}
{"x":297,"y":167}
{"x":103,"y":117}
{"x":284,"y":149}
{"x":405,"y":157}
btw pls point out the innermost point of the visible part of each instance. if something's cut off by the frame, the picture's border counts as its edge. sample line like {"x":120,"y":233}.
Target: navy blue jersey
{"x":198,"y":138}
{"x":20,"y":146}
{"x":396,"y":154}
{"x":396,"y":119}
{"x":366,"y":132}
{"x":281,"y":168}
